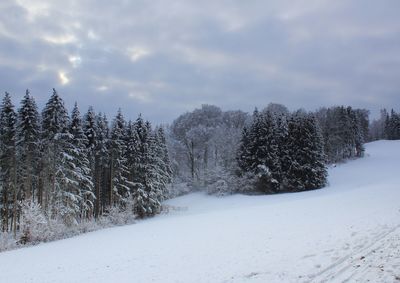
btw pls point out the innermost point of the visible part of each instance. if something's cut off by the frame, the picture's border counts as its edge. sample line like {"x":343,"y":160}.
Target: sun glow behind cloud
{"x":62,"y":76}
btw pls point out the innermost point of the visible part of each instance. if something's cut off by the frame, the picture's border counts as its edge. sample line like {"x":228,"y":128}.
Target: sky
{"x":163,"y":58}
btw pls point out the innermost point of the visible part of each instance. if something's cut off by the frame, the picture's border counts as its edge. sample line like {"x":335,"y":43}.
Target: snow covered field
{"x":347,"y":232}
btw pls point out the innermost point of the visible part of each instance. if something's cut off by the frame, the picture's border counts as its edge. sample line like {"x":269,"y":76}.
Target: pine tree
{"x":267,"y":154}
{"x":159,"y":167}
{"x":394,"y":122}
{"x":102,"y":155}
{"x":392,"y":126}
{"x":246,"y":156}
{"x":132,"y":151}
{"x":81,"y":168}
{"x":344,"y":132}
{"x":28,"y":145}
{"x":360,"y":131}
{"x":8,"y":164}
{"x":259,"y":152}
{"x":147,"y":194}
{"x":163,"y":159}
{"x":119,"y":186}
{"x":60,"y":196}
{"x":90,"y":130}
{"x":155,"y":179}
{"x":307,"y":169}
{"x":280,"y":136}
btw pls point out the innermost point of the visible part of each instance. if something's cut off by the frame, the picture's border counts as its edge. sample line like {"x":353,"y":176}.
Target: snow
{"x":348,"y":231}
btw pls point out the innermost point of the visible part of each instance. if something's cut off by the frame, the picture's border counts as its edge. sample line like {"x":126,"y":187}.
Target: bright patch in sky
{"x":137,"y":53}
{"x":102,"y":88}
{"x":62,"y":76}
{"x":75,"y":60}
{"x":60,"y":39}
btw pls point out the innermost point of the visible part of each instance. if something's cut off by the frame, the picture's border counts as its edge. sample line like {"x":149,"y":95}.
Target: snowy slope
{"x":348,"y":231}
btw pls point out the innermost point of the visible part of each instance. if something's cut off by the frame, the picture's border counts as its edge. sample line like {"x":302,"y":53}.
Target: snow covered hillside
{"x":349,"y":231}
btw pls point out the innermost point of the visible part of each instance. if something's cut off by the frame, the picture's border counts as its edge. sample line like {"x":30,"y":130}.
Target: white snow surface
{"x":346,"y":232}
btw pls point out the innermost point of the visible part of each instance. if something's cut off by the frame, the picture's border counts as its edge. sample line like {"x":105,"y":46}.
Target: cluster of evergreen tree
{"x":392,"y":126}
{"x":344,"y":132}
{"x":284,"y":152}
{"x":271,"y":151}
{"x":78,"y":167}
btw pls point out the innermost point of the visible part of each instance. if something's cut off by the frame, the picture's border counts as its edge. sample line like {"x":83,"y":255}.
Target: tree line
{"x":386,"y":127}
{"x":273,"y":150}
{"x":57,"y":167}
{"x":344,"y":131}
{"x":75,"y":168}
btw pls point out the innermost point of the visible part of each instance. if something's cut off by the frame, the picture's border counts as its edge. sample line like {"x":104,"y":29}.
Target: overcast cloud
{"x":163,"y":58}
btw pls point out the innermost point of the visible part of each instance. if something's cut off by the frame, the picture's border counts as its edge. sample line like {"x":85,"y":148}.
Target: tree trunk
{"x":111,"y":198}
{"x":15,"y":201}
{"x":5,"y":209}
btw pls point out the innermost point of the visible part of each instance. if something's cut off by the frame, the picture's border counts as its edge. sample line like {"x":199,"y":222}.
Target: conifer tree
{"x":267,"y":154}
{"x":90,"y":130}
{"x":28,"y":145}
{"x":392,"y":126}
{"x":259,"y":152}
{"x":132,"y":152}
{"x":58,"y":162}
{"x":119,"y":186}
{"x":307,"y":169}
{"x":102,"y":156}
{"x":147,"y":194}
{"x":246,"y":156}
{"x":162,"y":154}
{"x":8,"y":164}
{"x":81,"y":168}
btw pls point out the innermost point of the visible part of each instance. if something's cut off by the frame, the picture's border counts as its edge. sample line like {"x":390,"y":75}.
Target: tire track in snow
{"x":339,"y":267}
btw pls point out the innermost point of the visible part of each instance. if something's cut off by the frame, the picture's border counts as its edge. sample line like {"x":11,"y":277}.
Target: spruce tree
{"x":246,"y":156}
{"x":28,"y":146}
{"x":119,"y":186}
{"x":307,"y":169}
{"x":392,"y":126}
{"x":132,"y":152}
{"x":102,"y":155}
{"x":60,"y":198}
{"x":163,"y":159}
{"x":90,"y":130}
{"x":268,"y":167}
{"x":8,"y":164}
{"x":259,"y":152}
{"x":81,"y":170}
{"x":147,"y":194}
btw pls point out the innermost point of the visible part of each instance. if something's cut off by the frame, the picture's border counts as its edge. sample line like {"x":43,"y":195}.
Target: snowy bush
{"x":88,"y":226}
{"x":218,"y":188}
{"x":112,"y":216}
{"x":7,"y":241}
{"x":35,"y":227}
{"x":220,"y":182}
{"x":246,"y":184}
{"x":179,"y":188}
{"x":119,"y":215}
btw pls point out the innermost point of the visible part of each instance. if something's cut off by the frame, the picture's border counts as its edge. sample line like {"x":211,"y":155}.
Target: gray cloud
{"x":162,"y":58}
